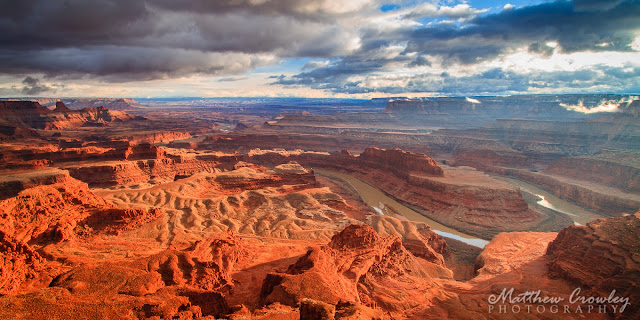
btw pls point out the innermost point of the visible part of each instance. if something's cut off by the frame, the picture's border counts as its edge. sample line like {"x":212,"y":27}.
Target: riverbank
{"x":384,"y":204}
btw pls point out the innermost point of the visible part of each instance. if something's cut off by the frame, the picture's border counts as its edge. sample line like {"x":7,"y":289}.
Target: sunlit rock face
{"x":600,"y":257}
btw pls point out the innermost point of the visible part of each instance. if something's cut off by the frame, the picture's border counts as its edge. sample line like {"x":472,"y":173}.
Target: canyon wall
{"x":400,"y":162}
{"x":483,"y":207}
{"x":33,"y":115}
{"x":608,"y":172}
{"x":613,"y":203}
{"x":125,"y":173}
{"x":601,"y":257}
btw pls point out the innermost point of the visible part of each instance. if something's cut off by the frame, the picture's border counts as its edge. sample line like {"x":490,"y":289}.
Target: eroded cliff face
{"x":405,"y":106}
{"x":608,"y":171}
{"x":49,"y":154}
{"x":158,"y":137}
{"x":32,"y":115}
{"x":401,"y":162}
{"x":608,"y":202}
{"x":126,"y":173}
{"x":283,"y":203}
{"x":50,"y":214}
{"x":12,"y":184}
{"x":600,"y":257}
{"x":23,"y":114}
{"x":354,"y":267}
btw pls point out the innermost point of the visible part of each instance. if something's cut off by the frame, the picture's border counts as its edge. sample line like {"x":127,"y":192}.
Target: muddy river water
{"x":383,"y":204}
{"x":380,"y":203}
{"x":579,"y":214}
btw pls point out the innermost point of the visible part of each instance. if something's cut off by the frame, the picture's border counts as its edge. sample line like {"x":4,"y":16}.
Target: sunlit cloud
{"x":472,"y":100}
{"x":635,"y":45}
{"x":604,"y":106}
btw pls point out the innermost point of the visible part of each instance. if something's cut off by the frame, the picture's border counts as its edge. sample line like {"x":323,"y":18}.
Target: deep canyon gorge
{"x":423,"y":209}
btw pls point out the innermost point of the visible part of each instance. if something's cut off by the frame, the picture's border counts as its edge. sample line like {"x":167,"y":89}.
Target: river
{"x":380,"y":203}
{"x":579,"y":214}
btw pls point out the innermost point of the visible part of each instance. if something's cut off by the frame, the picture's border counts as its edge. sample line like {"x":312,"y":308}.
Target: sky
{"x":317,"y":48}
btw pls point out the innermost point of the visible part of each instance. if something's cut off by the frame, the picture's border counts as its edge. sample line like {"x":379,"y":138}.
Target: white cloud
{"x":522,"y":61}
{"x":605,"y":106}
{"x":472,"y":100}
{"x":315,"y":64}
{"x":430,"y":10}
{"x":635,"y":45}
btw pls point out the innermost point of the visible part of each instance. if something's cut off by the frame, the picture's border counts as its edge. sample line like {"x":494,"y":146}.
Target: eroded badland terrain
{"x":446,"y":208}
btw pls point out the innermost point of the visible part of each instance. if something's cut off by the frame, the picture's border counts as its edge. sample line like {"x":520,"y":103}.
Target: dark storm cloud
{"x":299,"y":9}
{"x":420,"y":62}
{"x":542,"y":49}
{"x":486,"y":37}
{"x":373,"y":55}
{"x":123,"y":40}
{"x":595,"y":5}
{"x":38,"y":24}
{"x":158,"y":39}
{"x":32,"y":86}
{"x":125,"y":63}
{"x":335,"y":73}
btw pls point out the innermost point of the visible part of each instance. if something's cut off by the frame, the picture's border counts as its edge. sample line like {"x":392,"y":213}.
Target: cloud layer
{"x":478,"y":50}
{"x":350,"y":47}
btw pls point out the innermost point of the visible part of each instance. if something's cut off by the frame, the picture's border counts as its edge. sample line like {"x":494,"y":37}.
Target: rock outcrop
{"x":601,"y":257}
{"x":61,"y":107}
{"x":510,"y":250}
{"x":18,"y":263}
{"x":142,"y":163}
{"x":248,"y":200}
{"x":609,"y":202}
{"x":12,"y":184}
{"x":401,"y":162}
{"x":355,"y":267}
{"x":55,"y":212}
{"x":617,"y":170}
{"x":28,"y":114}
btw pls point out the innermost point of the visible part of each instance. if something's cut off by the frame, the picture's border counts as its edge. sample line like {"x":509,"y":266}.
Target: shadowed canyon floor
{"x":143,"y":215}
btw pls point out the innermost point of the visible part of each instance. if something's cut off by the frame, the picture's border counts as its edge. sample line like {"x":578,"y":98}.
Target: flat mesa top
{"x":466,"y":176}
{"x":20,"y":175}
